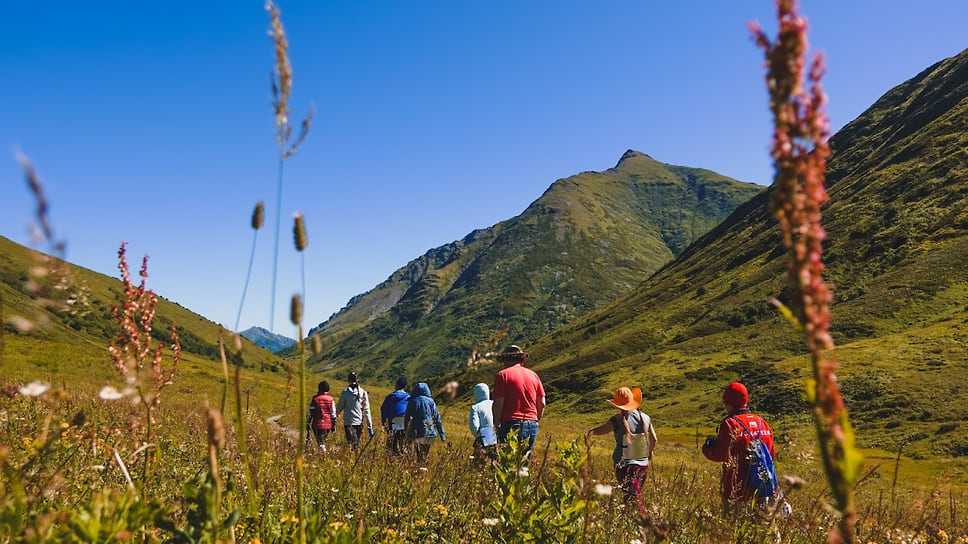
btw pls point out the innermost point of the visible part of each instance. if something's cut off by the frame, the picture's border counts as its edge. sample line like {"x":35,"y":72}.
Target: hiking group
{"x":411,"y":422}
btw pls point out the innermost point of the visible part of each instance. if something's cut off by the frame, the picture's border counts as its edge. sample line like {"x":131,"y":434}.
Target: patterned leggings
{"x":632,"y":479}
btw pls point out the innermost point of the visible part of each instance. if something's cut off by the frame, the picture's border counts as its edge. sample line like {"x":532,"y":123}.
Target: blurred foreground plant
{"x":799,"y":153}
{"x":281,"y":79}
{"x":529,"y":508}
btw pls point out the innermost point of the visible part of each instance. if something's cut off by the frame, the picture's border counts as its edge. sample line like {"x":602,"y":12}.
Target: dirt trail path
{"x":291,"y":433}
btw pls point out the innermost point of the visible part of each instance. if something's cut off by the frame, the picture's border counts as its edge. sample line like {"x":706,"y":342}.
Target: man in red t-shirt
{"x":730,"y":445}
{"x":519,"y":399}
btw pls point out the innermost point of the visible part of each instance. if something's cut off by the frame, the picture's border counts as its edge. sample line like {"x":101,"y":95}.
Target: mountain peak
{"x":267,"y":339}
{"x":630,"y":155}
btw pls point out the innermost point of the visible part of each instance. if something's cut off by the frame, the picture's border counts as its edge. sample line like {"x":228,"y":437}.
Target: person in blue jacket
{"x":423,"y":420}
{"x":393,"y":414}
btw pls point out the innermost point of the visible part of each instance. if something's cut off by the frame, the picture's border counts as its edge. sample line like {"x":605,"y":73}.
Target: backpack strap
{"x":745,"y":428}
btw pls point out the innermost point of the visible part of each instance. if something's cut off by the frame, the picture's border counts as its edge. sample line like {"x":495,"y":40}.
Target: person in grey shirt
{"x":354,"y":406}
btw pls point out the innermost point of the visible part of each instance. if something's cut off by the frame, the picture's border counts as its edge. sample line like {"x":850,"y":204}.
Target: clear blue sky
{"x":150,"y":122}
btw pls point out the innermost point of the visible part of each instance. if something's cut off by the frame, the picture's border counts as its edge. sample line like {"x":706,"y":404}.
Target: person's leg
{"x":529,"y":433}
{"x":353,"y":435}
{"x":348,"y":431}
{"x":422,"y":448}
{"x":623,"y":476}
{"x":357,"y":433}
{"x":502,"y":431}
{"x":637,"y":479}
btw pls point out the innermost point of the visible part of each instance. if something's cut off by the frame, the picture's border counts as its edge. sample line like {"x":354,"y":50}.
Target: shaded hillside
{"x":898,"y":237}
{"x":74,"y":335}
{"x":586,"y":240}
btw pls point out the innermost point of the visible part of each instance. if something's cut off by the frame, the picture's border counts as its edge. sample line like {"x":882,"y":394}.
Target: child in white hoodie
{"x":482,"y":425}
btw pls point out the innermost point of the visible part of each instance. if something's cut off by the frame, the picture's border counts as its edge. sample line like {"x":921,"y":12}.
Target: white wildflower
{"x":109,"y":392}
{"x":34,"y":389}
{"x":603,"y":489}
{"x":491,"y":521}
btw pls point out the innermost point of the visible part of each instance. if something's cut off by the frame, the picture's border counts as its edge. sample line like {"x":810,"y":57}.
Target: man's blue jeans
{"x":527,"y":432}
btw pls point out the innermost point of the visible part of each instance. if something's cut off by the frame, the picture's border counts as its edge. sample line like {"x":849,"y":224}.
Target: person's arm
{"x":771,"y":443}
{"x":474,"y":422}
{"x":717,"y":448}
{"x":497,"y":407}
{"x":384,"y":413}
{"x":440,"y":426}
{"x":652,"y":440}
{"x":332,"y":411}
{"x":366,"y":410}
{"x":604,"y":428}
{"x":497,"y":404}
{"x":340,"y":404}
{"x":408,"y":415}
{"x":541,"y":398}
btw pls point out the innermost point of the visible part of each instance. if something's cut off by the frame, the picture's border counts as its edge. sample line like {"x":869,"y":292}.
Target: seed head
{"x":216,"y":428}
{"x":295,"y":310}
{"x":258,"y":215}
{"x":299,"y":232}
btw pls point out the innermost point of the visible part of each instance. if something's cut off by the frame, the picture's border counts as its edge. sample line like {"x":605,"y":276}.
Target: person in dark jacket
{"x":322,"y":414}
{"x":393,"y":414}
{"x":730,"y":445}
{"x":423,"y":420}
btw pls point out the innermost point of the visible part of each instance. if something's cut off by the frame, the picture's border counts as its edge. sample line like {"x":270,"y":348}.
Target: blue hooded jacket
{"x":423,"y":420}
{"x":395,"y":405}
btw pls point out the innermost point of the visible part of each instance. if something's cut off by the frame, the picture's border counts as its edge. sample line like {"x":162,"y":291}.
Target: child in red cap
{"x":730,"y":445}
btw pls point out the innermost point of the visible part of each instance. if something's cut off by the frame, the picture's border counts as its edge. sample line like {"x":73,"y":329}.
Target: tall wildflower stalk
{"x":281,"y":79}
{"x":258,"y":218}
{"x":799,"y":153}
{"x":295,"y":315}
{"x":240,"y":424}
{"x":134,"y":357}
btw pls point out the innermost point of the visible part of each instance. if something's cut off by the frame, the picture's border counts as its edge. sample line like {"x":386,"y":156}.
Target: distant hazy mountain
{"x":897,"y":254}
{"x":588,"y":239}
{"x":267,"y":340}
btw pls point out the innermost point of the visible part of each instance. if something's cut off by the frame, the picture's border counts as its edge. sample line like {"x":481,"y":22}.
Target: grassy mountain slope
{"x":898,"y":236}
{"x":586,"y":240}
{"x":68,"y":341}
